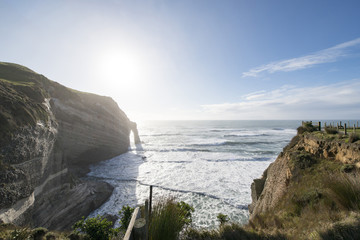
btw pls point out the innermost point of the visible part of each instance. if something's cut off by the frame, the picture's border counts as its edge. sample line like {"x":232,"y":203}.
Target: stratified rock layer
{"x":49,"y":136}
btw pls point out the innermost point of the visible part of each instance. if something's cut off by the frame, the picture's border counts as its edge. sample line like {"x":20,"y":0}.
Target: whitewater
{"x":208,"y":164}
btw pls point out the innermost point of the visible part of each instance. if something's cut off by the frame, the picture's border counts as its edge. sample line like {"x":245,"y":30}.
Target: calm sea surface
{"x":208,"y":164}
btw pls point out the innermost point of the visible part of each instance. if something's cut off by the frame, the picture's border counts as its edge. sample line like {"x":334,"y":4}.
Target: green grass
{"x":168,"y":218}
{"x":18,"y":83}
{"x":345,"y":191}
{"x":312,"y":202}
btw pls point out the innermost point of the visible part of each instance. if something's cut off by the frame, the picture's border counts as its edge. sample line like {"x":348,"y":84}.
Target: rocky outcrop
{"x":133,"y":127}
{"x":273,"y":185}
{"x":49,"y":136}
{"x":344,"y":152}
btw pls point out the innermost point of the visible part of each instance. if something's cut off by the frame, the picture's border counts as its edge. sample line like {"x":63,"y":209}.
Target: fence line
{"x":339,"y":125}
{"x":138,"y":228}
{"x":129,"y":235}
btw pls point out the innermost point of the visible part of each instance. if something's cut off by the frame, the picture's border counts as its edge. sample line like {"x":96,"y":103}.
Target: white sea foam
{"x":209,"y":165}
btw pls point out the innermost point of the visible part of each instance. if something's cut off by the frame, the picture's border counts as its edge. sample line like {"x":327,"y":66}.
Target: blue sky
{"x":195,"y":59}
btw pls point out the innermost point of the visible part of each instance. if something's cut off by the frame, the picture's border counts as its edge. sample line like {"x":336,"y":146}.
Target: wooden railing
{"x":138,"y":228}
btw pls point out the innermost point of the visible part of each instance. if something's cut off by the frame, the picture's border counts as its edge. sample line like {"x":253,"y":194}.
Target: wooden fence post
{"x":129,"y":232}
{"x":147,"y":218}
{"x":320,"y":126}
{"x":150,"y":201}
{"x":345,"y":128}
{"x":140,"y":229}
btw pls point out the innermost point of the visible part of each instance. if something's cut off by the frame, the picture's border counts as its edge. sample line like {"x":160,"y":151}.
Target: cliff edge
{"x":49,"y":135}
{"x":311,"y":189}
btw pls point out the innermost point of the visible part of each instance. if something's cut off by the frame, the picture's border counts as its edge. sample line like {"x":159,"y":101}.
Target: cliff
{"x":311,"y":189}
{"x":49,"y":134}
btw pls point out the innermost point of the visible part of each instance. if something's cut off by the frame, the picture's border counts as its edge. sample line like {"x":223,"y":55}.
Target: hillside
{"x":49,"y":135}
{"x":312,"y":190}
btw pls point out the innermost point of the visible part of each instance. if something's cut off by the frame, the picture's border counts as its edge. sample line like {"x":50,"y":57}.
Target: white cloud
{"x":324,"y":56}
{"x":333,"y":101}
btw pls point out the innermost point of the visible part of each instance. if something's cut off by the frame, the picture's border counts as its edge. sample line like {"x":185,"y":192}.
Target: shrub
{"x":306,"y":127}
{"x":168,"y":218}
{"x":345,"y":191}
{"x":186,"y":212}
{"x":20,"y":234}
{"x":331,"y":130}
{"x":39,"y":233}
{"x":309,"y":198}
{"x":354,"y":137}
{"x":222,"y":218}
{"x":302,"y":160}
{"x":97,"y":228}
{"x":50,"y":236}
{"x":126,"y":214}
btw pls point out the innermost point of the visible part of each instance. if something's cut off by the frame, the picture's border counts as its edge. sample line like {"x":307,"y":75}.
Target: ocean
{"x":207,"y":164}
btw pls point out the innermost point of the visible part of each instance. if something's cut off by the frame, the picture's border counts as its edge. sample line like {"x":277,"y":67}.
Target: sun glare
{"x":126,"y":70}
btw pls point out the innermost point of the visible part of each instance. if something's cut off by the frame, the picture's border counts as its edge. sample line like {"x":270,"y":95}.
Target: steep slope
{"x":49,"y":134}
{"x":310,"y":189}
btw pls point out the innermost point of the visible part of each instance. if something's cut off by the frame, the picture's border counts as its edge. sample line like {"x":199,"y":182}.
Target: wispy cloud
{"x":341,"y":100}
{"x":324,"y":56}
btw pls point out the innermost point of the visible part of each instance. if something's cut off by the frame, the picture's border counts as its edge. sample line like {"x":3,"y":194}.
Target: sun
{"x":125,"y":69}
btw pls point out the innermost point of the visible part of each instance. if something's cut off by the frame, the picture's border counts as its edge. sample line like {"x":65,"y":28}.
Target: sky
{"x":195,"y":59}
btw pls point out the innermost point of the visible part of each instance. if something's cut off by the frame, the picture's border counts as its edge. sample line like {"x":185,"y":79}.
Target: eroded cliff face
{"x":268,"y":191}
{"x":49,"y":136}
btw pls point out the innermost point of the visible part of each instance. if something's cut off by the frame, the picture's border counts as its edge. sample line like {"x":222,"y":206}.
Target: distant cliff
{"x":311,"y":190}
{"x":49,"y":134}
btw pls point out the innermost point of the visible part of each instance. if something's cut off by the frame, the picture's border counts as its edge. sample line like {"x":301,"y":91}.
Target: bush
{"x":97,"y":228}
{"x":354,"y":137}
{"x":39,"y":233}
{"x":168,"y":218}
{"x":306,"y":127}
{"x":20,"y":234}
{"x":306,"y":199}
{"x":302,"y":160}
{"x":186,"y":212}
{"x":126,"y":214}
{"x":331,"y":130}
{"x":222,"y":218}
{"x":50,"y":236}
